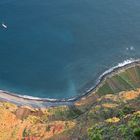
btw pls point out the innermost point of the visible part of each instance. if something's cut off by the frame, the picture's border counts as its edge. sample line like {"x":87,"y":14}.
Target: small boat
{"x":3,"y":25}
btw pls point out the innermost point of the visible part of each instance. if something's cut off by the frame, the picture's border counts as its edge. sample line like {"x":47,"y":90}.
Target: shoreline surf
{"x":46,"y":102}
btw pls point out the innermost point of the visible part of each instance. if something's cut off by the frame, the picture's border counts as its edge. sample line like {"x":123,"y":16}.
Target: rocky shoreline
{"x":45,"y":102}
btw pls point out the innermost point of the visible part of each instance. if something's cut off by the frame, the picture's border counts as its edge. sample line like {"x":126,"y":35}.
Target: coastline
{"x":46,"y":102}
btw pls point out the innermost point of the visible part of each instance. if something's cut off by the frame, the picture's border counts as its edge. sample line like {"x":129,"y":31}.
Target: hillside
{"x":111,"y":112}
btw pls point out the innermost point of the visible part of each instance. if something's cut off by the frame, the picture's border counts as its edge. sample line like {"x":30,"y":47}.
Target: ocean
{"x":58,"y":49}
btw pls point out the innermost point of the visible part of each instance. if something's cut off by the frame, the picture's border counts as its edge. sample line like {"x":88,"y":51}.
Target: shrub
{"x":137,"y":132}
{"x":95,"y":133}
{"x":48,"y":128}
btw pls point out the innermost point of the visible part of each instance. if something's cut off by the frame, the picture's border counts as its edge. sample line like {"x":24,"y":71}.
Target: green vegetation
{"x":137,"y":132}
{"x":123,"y":81}
{"x":105,"y":89}
{"x":126,"y":129}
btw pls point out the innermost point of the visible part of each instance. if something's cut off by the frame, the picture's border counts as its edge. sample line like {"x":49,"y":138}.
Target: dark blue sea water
{"x":57,"y":49}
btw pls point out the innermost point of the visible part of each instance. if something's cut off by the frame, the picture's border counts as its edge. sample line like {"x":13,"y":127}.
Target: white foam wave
{"x":131,"y":48}
{"x":124,"y":63}
{"x":37,"y":98}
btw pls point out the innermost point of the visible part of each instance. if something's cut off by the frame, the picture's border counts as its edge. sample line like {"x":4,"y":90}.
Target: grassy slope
{"x":113,"y":112}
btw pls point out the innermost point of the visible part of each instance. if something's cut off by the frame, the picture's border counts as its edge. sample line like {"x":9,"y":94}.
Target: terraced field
{"x":122,"y":81}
